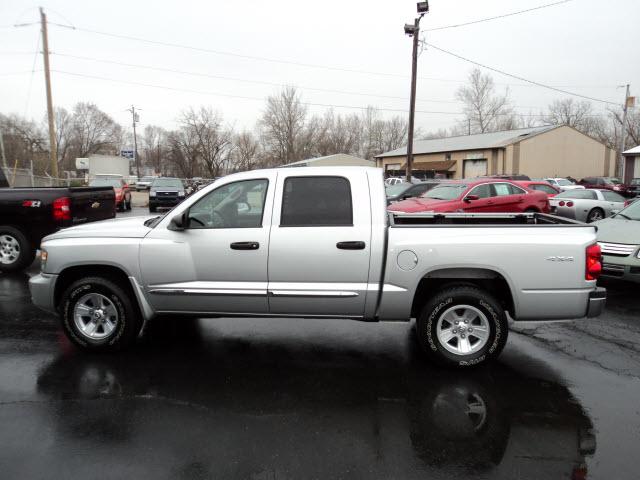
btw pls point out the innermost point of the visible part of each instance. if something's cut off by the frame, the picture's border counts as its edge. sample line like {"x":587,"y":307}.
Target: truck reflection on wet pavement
{"x":278,"y":398}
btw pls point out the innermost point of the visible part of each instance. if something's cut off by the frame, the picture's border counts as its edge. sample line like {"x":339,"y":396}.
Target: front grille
{"x":613,"y":270}
{"x":617,"y":249}
{"x":166,"y":194}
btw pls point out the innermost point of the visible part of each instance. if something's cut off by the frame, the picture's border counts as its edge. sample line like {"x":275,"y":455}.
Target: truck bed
{"x":470,"y":219}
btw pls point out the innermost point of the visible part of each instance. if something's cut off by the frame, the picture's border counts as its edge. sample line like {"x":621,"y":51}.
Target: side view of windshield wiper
{"x":622,"y":215}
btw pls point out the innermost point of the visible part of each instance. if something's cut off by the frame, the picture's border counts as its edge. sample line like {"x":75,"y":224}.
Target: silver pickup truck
{"x":318,"y":242}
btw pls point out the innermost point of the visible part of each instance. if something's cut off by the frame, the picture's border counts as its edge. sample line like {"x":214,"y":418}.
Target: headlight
{"x":152,"y":193}
{"x":43,"y":259}
{"x":181,"y":193}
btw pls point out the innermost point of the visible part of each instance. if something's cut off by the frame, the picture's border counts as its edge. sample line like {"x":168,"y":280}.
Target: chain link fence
{"x":24,"y":177}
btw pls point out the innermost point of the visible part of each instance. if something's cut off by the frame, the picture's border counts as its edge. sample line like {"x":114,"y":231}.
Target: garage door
{"x":474,"y":168}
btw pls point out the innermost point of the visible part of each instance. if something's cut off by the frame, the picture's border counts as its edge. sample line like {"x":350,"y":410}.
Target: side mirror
{"x":179,"y":222}
{"x":470,"y":198}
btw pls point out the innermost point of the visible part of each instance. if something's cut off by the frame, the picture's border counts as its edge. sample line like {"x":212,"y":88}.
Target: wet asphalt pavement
{"x":289,"y":398}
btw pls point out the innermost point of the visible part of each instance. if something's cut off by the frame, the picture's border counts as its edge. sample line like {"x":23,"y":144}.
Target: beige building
{"x":337,"y":160}
{"x":631,"y":164}
{"x":539,"y":152}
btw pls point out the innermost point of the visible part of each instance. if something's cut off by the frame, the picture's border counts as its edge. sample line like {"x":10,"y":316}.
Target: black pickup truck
{"x":29,"y":214}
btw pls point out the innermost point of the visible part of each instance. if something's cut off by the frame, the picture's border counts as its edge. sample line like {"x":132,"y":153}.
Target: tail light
{"x":593,"y":266}
{"x":569,"y":204}
{"x":62,"y":209}
{"x":627,"y":203}
{"x":561,"y":203}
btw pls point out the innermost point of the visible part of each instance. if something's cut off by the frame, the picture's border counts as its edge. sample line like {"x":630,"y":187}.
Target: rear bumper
{"x":42,"y":287}
{"x":597,"y":300}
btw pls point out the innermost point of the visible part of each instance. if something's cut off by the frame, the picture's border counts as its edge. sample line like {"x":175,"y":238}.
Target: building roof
{"x":337,"y":156}
{"x":633,"y":151}
{"x":479,"y":141}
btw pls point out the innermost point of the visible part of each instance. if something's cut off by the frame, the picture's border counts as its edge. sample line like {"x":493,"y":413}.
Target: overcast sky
{"x":586,"y":46}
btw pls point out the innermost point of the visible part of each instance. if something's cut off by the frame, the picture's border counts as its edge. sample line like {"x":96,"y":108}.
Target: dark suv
{"x":634,"y":187}
{"x":606,"y":183}
{"x":165,"y":192}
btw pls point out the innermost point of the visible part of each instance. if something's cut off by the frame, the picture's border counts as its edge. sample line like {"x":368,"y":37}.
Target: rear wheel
{"x":462,"y":326}
{"x":595,"y":215}
{"x":98,"y":315}
{"x":16,"y":253}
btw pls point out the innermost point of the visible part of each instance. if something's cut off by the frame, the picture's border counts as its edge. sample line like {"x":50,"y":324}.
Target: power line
{"x":23,"y":72}
{"x":533,"y":82}
{"x":473,"y":22}
{"x":33,"y":70}
{"x":164,"y":87}
{"x":236,"y":79}
{"x":261,"y":99}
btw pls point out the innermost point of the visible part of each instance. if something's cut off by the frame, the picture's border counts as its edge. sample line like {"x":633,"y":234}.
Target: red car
{"x":476,"y":196}
{"x":120,"y":187}
{"x":539,"y":186}
{"x":607,"y":183}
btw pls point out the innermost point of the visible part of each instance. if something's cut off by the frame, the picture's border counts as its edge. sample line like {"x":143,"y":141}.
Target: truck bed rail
{"x":471,"y":219}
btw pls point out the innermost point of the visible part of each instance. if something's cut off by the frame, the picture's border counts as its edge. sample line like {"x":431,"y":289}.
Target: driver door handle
{"x":245,"y":246}
{"x":350,"y":245}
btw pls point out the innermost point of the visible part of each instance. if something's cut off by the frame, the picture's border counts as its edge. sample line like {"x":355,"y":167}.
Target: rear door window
{"x":612,"y":196}
{"x":316,"y":202}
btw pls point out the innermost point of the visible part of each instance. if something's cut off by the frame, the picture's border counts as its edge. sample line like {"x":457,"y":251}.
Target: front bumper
{"x":42,"y":288}
{"x":165,"y":201}
{"x":624,"y":268}
{"x":597,"y":300}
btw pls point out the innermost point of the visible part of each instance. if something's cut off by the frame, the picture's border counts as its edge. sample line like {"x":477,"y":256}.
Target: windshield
{"x":167,"y":182}
{"x":105,"y":182}
{"x":396,"y":189}
{"x":632,"y":212}
{"x":563,"y":182}
{"x":445,"y":192}
{"x":611,"y":180}
{"x":635,"y":181}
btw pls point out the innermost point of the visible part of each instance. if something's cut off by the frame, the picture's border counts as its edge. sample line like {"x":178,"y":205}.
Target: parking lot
{"x":290,"y":398}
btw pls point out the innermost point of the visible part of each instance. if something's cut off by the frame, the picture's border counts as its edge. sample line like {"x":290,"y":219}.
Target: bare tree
{"x":213,"y":139}
{"x":24,"y":141}
{"x":246,"y":151}
{"x":282,"y":125}
{"x":484,"y":110}
{"x":93,"y":131}
{"x":154,"y":145}
{"x":569,"y":112}
{"x":63,"y":121}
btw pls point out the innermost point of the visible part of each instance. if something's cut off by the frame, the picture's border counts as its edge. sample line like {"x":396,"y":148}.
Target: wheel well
{"x":532,"y":209}
{"x":484,"y":279}
{"x":71,"y":274}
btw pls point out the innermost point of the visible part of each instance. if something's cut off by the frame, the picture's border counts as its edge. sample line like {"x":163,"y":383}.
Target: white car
{"x":588,"y":205}
{"x":563,"y":184}
{"x":393,"y":181}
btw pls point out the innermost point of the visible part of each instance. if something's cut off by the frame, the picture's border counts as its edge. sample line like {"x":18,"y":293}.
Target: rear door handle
{"x":245,"y":246}
{"x":350,"y":245}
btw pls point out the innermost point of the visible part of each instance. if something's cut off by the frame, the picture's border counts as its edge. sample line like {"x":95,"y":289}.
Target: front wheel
{"x":98,"y":315}
{"x":462,"y":326}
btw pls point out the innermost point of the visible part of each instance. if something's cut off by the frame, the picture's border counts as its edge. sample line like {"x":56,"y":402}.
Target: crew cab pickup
{"x":29,"y":214}
{"x":318,"y":242}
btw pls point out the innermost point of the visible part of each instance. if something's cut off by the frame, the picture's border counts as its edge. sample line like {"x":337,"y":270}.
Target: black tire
{"x":531,"y":210}
{"x":127,"y":205}
{"x":128,"y":321}
{"x":26,"y":253}
{"x":442,"y":302}
{"x":595,"y":214}
{"x":152,"y":208}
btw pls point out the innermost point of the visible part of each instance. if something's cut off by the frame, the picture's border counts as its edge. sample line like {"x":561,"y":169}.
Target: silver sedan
{"x":586,"y":205}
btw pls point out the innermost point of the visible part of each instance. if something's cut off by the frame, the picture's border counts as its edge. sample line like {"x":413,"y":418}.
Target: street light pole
{"x":414,"y":31}
{"x":623,"y":132}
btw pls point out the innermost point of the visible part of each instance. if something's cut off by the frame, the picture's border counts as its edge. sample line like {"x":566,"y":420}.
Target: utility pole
{"x":53,"y":148}
{"x":623,"y":134}
{"x":135,"y":118}
{"x":413,"y":31}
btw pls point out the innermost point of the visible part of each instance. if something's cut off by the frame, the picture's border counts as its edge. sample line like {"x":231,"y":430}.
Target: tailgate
{"x":90,"y":204}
